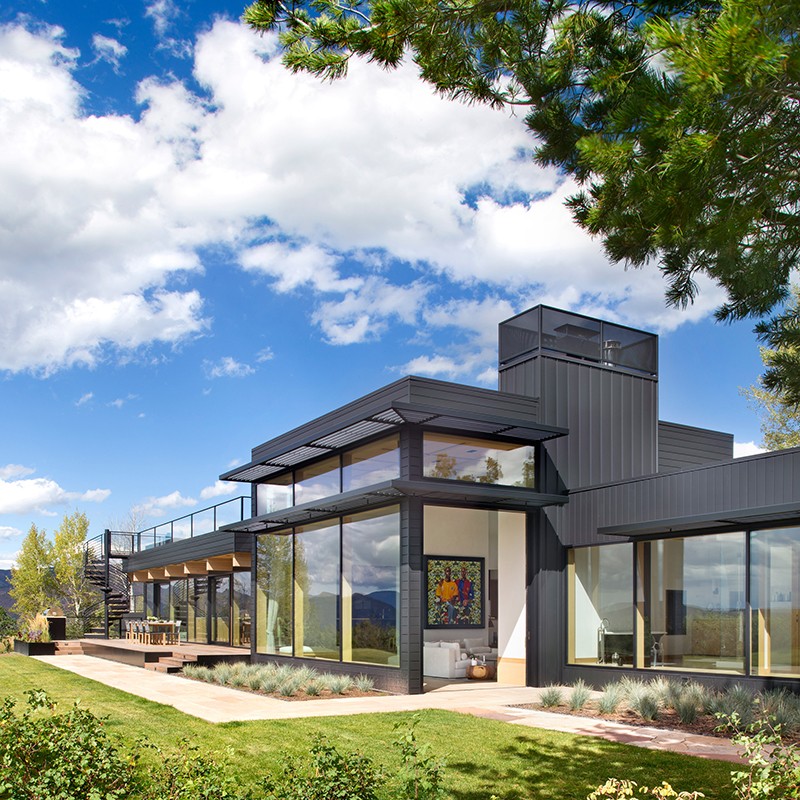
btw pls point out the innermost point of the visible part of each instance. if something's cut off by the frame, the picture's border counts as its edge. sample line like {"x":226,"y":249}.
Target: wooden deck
{"x":151,"y":656}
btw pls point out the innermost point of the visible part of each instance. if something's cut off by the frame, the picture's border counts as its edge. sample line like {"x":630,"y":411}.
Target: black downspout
{"x":107,"y":578}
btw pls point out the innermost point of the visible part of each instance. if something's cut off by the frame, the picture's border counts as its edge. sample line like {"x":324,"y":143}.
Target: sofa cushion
{"x":472,"y":644}
{"x":451,"y":645}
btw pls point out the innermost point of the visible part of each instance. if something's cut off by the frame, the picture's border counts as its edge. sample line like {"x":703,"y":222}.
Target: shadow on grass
{"x":551,"y":765}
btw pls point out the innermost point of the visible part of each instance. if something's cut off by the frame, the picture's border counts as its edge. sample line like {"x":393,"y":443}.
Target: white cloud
{"x":84,"y":398}
{"x":108,"y":49}
{"x":219,"y":489}
{"x":227,"y":367}
{"x":162,"y":12}
{"x":40,"y":495}
{"x":265,"y":355}
{"x":15,"y":471}
{"x":7,"y":532}
{"x":317,"y":187}
{"x":6,"y":562}
{"x":741,"y":449}
{"x":160,"y":506}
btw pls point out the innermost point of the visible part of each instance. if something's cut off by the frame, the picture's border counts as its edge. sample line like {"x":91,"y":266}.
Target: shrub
{"x":313,"y":688}
{"x":736,"y":702}
{"x":189,"y":774}
{"x":288,"y":687}
{"x":644,"y":701}
{"x":615,"y":789}
{"x":611,"y":698}
{"x":579,"y":695}
{"x":773,"y":765}
{"x":421,"y":773}
{"x":337,"y":684}
{"x":330,"y":775}
{"x":222,"y":673}
{"x":364,"y":683}
{"x":551,"y":696}
{"x":35,"y":629}
{"x":686,"y":709}
{"x":58,"y":755}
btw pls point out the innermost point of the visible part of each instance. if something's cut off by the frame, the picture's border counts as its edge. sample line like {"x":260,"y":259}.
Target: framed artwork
{"x":454,"y":592}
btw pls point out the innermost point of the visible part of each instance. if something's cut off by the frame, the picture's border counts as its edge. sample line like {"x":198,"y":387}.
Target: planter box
{"x":34,"y":648}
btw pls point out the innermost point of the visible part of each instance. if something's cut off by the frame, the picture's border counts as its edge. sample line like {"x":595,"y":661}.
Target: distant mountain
{"x":5,"y":585}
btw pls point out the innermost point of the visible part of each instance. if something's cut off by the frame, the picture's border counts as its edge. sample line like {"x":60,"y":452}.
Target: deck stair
{"x":170,"y":664}
{"x":71,"y":647}
{"x":101,"y":558}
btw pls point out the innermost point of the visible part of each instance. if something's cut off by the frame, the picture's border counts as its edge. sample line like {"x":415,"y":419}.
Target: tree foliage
{"x":780,"y":415}
{"x":71,"y":585}
{"x":32,"y":583}
{"x":680,"y":118}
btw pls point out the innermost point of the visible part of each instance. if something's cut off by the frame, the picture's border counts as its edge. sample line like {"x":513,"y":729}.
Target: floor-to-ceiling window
{"x":694,"y":602}
{"x":274,"y":594}
{"x":775,"y":602}
{"x":331,"y":590}
{"x":316,"y":591}
{"x":601,"y":615}
{"x":241,"y":621}
{"x":370,"y":587}
{"x":197,"y":622}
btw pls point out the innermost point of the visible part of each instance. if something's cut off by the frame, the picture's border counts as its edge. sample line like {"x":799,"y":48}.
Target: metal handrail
{"x":164,"y":532}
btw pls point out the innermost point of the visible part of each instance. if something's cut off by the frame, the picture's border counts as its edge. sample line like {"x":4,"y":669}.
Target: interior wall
{"x":460,"y":532}
{"x":512,"y":613}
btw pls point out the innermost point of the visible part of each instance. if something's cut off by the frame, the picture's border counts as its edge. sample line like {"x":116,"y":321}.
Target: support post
{"x":107,"y":578}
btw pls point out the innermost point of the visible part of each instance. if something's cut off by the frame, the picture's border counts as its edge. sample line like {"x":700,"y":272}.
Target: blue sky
{"x":199,"y":251}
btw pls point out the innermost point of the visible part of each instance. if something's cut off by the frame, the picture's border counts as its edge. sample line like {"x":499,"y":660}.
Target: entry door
{"x":220,"y":592}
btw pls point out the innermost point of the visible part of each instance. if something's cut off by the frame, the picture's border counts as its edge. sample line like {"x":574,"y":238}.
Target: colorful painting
{"x":454,"y":590}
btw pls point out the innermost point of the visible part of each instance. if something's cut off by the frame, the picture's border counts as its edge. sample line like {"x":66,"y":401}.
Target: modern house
{"x":555,"y":528}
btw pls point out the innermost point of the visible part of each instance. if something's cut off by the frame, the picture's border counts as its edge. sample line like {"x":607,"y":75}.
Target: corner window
{"x":462,"y":458}
{"x":318,"y":480}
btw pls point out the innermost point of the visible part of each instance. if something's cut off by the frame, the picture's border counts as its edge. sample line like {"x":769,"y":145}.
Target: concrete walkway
{"x":220,"y":704}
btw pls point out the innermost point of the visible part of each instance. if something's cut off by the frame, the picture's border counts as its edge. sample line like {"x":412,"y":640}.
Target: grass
{"x":484,"y":757}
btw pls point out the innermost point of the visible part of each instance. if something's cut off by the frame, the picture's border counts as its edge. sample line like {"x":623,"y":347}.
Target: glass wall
{"x":179,"y":604}
{"x":694,"y":601}
{"x":601,"y":605}
{"x":461,"y":458}
{"x":311,"y":603}
{"x":197,"y":613}
{"x":241,"y":621}
{"x":775,"y":602}
{"x":316,"y":591}
{"x":317,"y":480}
{"x":275,"y":494}
{"x":687,"y":611}
{"x":274,"y":594}
{"x":370,"y":587}
{"x":372,"y":463}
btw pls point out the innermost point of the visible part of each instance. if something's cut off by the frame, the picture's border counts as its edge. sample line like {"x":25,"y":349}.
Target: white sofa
{"x":450,"y":659}
{"x":444,"y":660}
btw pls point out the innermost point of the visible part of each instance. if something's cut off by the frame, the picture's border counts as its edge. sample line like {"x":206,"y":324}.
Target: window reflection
{"x":775,"y":600}
{"x":274,"y":594}
{"x":601,"y":605}
{"x":372,"y":463}
{"x":462,"y":458}
{"x":317,"y":480}
{"x":370,"y":587}
{"x":274,"y":494}
{"x":316,"y":591}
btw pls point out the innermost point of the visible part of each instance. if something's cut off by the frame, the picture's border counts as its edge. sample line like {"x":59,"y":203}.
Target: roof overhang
{"x":503,"y":427}
{"x":742,"y":517}
{"x":511,"y":498}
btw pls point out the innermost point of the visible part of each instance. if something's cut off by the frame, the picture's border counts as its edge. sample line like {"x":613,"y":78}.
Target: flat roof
{"x":423,"y":401}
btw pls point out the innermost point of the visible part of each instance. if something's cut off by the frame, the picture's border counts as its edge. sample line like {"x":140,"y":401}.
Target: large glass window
{"x":179,"y":602}
{"x":197,"y":616}
{"x":317,"y":480}
{"x":316,"y":591}
{"x":601,"y":605}
{"x":372,"y":463}
{"x":240,"y":609}
{"x":274,"y":594}
{"x":775,"y":601}
{"x":694,"y":600}
{"x":274,"y":494}
{"x":371,"y":587}
{"x":462,"y":458}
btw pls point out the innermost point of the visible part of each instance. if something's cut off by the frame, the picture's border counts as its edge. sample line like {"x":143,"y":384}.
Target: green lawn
{"x":484,"y":757}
